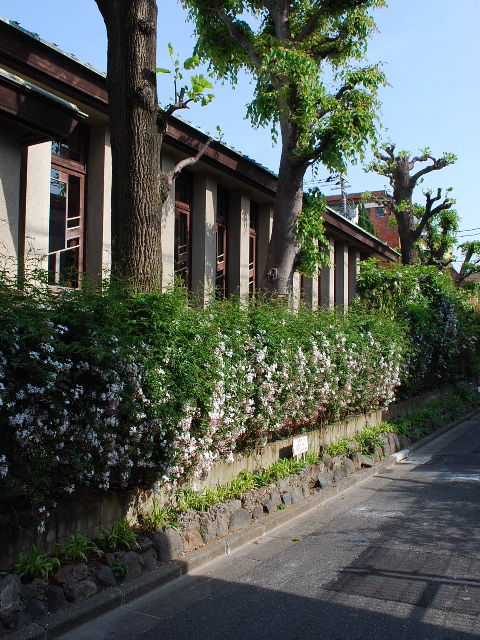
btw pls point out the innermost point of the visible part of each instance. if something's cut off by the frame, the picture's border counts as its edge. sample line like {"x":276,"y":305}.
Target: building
{"x":379,"y":207}
{"x":55,"y":184}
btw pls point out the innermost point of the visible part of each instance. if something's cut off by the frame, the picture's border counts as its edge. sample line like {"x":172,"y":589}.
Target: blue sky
{"x":429,"y":51}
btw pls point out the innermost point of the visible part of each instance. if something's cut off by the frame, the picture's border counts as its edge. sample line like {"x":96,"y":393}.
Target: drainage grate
{"x":421,"y":578}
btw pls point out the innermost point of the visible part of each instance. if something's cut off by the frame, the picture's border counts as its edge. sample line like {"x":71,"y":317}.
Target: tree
{"x":471,"y":260}
{"x":296,"y":51}
{"x":438,"y":238}
{"x":137,"y":127}
{"x":398,"y":169}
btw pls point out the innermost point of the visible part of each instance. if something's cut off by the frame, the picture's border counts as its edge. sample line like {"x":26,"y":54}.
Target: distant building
{"x":379,"y":207}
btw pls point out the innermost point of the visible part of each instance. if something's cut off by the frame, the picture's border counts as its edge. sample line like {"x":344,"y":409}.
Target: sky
{"x":429,"y":49}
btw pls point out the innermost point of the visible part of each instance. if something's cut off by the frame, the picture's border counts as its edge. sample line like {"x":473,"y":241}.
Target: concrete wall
{"x":168,"y":230}
{"x":10,"y":168}
{"x":38,"y":205}
{"x":203,"y":235}
{"x":99,"y":200}
{"x":238,"y":243}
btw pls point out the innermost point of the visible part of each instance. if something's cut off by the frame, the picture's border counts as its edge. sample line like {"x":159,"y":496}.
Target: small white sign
{"x":300,"y":445}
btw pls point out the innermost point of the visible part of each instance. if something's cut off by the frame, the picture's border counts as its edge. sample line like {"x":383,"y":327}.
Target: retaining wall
{"x":86,"y":516}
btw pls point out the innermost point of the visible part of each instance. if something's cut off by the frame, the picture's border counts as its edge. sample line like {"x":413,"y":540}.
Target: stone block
{"x":132,"y":561}
{"x":192,"y":541}
{"x":349,"y":466}
{"x":56,"y":599}
{"x":323,"y":481}
{"x":239,"y":519}
{"x":105,"y":577}
{"x":287,"y":499}
{"x":296,"y":497}
{"x":167,"y":544}
{"x":276,"y":498}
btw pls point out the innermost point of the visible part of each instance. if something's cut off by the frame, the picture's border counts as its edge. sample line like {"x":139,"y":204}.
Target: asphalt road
{"x":396,"y":557}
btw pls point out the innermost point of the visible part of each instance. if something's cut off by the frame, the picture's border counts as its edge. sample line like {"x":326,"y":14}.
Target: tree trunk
{"x":402,"y":195}
{"x":283,"y":247}
{"x":135,"y":140}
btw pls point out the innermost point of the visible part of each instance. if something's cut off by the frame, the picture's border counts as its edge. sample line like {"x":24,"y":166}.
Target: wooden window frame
{"x":183,"y":203}
{"x":77,"y":169}
{"x":252,"y":255}
{"x":221,"y":285}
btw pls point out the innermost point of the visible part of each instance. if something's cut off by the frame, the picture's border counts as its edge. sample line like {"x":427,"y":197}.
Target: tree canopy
{"x":309,"y":87}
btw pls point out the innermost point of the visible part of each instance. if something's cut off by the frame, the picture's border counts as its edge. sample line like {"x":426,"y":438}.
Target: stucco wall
{"x":98,"y":210}
{"x":38,"y":205}
{"x":10,"y":161}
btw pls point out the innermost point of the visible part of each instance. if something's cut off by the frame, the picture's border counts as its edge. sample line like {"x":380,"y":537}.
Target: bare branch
{"x":436,"y":166}
{"x":187,"y":162}
{"x":237,"y":35}
{"x":431,"y":212}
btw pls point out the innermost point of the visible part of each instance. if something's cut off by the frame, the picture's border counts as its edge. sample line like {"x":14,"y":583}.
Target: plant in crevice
{"x":36,"y":564}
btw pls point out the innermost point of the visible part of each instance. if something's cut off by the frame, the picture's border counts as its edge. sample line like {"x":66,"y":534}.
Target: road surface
{"x":397,"y":557}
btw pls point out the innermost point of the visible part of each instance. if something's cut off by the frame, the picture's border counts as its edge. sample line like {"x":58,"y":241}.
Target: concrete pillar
{"x":37,"y":208}
{"x":296,"y":293}
{"x":264,"y":231}
{"x":10,"y":171}
{"x":341,"y":275}
{"x":204,"y":246}
{"x":353,"y":272}
{"x":168,"y":229}
{"x":327,"y":278}
{"x":310,"y":292}
{"x":238,"y":243}
{"x":98,"y":255}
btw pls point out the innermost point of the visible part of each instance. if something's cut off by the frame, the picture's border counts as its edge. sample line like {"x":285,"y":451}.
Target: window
{"x":67,"y":208}
{"x":252,"y":249}
{"x":183,"y":198}
{"x":222,"y":218}
{"x":380,"y":212}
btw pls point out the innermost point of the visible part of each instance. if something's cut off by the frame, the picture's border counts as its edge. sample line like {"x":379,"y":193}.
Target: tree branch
{"x":237,"y":35}
{"x":436,"y":166}
{"x":340,"y":93}
{"x":309,"y":28}
{"x":187,"y":162}
{"x":429,"y":212}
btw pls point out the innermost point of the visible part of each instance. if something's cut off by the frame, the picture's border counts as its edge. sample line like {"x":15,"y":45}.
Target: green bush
{"x":102,"y":391}
{"x":440,"y":322}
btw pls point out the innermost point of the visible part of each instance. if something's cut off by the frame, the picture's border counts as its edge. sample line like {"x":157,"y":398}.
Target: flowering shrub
{"x":440,"y":321}
{"x":99,"y":391}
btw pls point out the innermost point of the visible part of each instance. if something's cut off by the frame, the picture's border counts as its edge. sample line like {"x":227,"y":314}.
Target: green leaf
{"x":162,"y":70}
{"x":170,"y":49}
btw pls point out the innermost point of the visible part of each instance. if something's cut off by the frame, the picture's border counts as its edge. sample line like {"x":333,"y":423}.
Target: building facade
{"x":55,"y":188}
{"x":379,"y":207}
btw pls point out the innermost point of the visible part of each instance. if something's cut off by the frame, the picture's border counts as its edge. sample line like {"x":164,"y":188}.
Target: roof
{"x":35,"y":36}
{"x":29,"y":87}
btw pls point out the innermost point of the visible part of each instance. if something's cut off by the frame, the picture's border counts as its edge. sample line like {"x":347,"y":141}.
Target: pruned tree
{"x":399,"y":168}
{"x":137,"y":128}
{"x":471,"y":260}
{"x":302,"y":55}
{"x":438,"y":238}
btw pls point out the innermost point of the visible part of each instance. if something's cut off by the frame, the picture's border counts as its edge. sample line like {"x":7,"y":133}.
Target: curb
{"x":59,"y":623}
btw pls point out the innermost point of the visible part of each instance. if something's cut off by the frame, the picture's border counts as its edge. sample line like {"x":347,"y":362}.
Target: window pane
{"x":73,"y":202}
{"x":58,"y":210}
